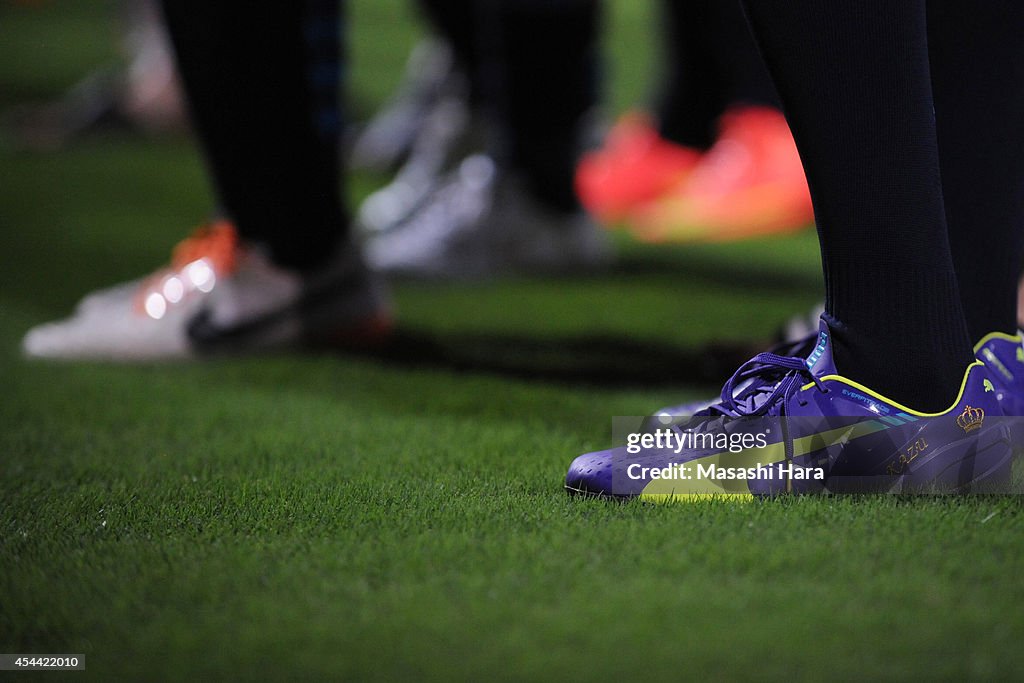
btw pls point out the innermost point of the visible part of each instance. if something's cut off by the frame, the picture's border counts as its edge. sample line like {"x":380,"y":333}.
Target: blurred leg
{"x":541,"y":70}
{"x":458,"y":21}
{"x":262,"y":82}
{"x":743,"y":78}
{"x":712,"y":64}
{"x":691,"y":100}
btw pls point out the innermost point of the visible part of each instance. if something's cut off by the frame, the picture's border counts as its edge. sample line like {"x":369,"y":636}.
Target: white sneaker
{"x":388,"y":138}
{"x":482,"y":223}
{"x":219,"y":295}
{"x":444,"y":140}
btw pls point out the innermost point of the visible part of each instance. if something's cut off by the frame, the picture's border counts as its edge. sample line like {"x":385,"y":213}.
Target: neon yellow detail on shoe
{"x":875,"y":394}
{"x":1015,"y":338}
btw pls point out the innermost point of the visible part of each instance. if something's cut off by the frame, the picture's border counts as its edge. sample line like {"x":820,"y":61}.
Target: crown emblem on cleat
{"x":971,"y":419}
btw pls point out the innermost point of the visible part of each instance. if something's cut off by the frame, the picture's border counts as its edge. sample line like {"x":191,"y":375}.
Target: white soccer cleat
{"x":430,"y":74}
{"x":445,"y":137}
{"x":481,"y":222}
{"x":219,"y":295}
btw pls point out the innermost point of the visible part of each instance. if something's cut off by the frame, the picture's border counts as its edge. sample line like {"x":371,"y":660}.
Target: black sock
{"x":541,"y":65}
{"x":855,"y":82}
{"x":978,"y":82}
{"x":262,"y":83}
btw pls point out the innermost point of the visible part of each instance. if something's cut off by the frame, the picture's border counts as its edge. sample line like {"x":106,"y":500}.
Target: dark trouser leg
{"x":262,"y":82}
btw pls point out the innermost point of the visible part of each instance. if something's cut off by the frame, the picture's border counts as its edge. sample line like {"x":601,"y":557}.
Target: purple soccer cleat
{"x":787,"y":424}
{"x":672,"y":415}
{"x":1003,"y":354}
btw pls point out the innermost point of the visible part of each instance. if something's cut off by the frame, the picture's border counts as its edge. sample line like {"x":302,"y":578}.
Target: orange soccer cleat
{"x":750,"y":183}
{"x":635,"y":166}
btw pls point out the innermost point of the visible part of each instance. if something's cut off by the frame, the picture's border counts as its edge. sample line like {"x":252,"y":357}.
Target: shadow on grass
{"x":719,"y":271}
{"x":595,"y":360}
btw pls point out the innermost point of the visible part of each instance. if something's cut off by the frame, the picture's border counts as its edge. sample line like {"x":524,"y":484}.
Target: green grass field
{"x":402,"y":517}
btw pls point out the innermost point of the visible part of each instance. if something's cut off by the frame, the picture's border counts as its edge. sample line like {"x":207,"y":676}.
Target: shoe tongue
{"x":820,"y":360}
